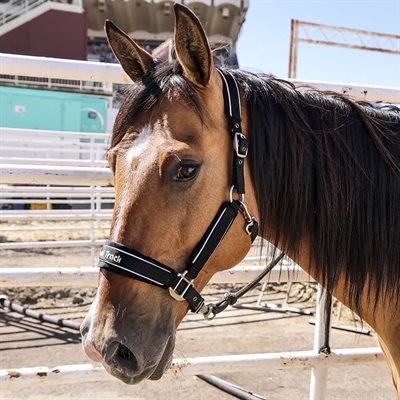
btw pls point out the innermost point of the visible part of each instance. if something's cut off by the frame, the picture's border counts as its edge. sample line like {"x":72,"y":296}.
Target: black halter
{"x":129,"y":262}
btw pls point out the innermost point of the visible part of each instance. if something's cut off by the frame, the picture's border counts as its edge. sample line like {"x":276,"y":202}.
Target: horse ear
{"x":191,"y":45}
{"x":135,"y":61}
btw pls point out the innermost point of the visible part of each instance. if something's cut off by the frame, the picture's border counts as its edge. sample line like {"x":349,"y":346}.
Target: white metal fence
{"x":28,"y":146}
{"x":13,"y":173}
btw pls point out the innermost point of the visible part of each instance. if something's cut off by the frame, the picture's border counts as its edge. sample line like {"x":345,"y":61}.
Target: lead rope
{"x":210,"y":310}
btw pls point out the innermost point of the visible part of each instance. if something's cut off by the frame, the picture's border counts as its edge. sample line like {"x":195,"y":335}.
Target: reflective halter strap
{"x":131,"y":263}
{"x":233,"y":111}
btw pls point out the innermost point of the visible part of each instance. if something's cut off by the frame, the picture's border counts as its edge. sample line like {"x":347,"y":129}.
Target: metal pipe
{"x":294,"y":45}
{"x":348,"y":46}
{"x":55,"y":175}
{"x":13,"y":132}
{"x":51,"y":244}
{"x":319,"y":373}
{"x":56,"y":189}
{"x":46,"y":67}
{"x":227,"y":387}
{"x":87,"y":276}
{"x":350,"y":30}
{"x":4,"y":302}
{"x":53,"y":161}
{"x":199,"y":365}
{"x":52,"y":215}
{"x":11,"y":64}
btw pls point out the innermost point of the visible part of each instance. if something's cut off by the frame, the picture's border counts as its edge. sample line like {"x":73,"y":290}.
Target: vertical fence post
{"x":92,"y":228}
{"x":319,"y":374}
{"x":294,"y":45}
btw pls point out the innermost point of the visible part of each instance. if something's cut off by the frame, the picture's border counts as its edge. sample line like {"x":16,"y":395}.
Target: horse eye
{"x":186,"y":172}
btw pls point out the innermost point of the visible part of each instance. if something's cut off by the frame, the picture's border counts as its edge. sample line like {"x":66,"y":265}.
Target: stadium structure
{"x":73,"y":29}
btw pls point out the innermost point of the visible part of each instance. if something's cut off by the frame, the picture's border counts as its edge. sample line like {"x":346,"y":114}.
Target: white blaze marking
{"x":141,"y":148}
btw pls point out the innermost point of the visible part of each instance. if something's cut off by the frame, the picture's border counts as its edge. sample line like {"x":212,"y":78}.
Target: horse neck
{"x":322,"y":188}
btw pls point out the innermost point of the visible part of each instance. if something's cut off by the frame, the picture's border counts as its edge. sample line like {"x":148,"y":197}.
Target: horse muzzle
{"x":130,"y":358}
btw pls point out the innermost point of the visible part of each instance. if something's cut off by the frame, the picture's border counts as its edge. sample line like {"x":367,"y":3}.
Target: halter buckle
{"x":240,"y":144}
{"x":173,"y":291}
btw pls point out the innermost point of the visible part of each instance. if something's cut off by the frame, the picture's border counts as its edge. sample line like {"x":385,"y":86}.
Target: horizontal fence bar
{"x":61,"y":145}
{"x":44,"y":228}
{"x":11,"y":64}
{"x":57,"y":189}
{"x":32,"y":133}
{"x":199,"y":365}
{"x":54,"y":161}
{"x":87,"y":276}
{"x":77,"y":149}
{"x":6,"y":196}
{"x":52,"y":215}
{"x":54,"y":175}
{"x":53,"y":201}
{"x":369,"y":93}
{"x":50,"y":244}
{"x":46,"y":67}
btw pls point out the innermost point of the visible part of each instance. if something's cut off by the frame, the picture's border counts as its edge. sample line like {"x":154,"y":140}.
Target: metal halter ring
{"x":250,"y":220}
{"x":241,"y":196}
{"x":209,"y":314}
{"x":245,"y":212}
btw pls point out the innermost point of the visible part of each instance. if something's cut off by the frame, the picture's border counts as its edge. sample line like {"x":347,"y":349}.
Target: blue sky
{"x":263,"y":44}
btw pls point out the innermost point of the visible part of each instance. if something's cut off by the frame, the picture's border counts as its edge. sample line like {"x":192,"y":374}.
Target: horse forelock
{"x":327,"y":169}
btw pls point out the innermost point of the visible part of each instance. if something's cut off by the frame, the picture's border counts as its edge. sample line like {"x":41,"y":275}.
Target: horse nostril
{"x":123,"y":359}
{"x":123,"y":353}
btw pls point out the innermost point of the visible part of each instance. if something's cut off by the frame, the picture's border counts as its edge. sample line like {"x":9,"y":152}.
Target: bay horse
{"x":322,"y":178}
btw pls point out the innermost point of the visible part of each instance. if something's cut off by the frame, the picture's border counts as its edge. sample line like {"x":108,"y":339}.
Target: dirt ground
{"x":26,"y":343}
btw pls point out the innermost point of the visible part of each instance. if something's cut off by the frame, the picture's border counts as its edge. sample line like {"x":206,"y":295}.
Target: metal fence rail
{"x":200,"y":365}
{"x":54,"y":175}
{"x":112,"y":73}
{"x":87,"y":276}
{"x":28,"y":146}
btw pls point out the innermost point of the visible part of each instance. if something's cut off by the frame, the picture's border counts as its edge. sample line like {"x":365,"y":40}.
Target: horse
{"x":322,"y":177}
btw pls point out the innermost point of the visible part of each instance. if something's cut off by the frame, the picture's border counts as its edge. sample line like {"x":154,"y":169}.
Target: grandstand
{"x":73,"y":29}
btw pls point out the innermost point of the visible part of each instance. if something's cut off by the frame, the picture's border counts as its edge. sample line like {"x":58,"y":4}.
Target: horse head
{"x":171,"y":157}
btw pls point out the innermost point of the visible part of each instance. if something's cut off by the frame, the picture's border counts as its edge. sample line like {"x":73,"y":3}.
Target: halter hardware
{"x":173,"y":291}
{"x":129,"y":262}
{"x":241,"y":145}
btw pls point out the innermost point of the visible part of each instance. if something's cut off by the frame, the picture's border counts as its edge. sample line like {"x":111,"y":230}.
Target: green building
{"x":51,"y":110}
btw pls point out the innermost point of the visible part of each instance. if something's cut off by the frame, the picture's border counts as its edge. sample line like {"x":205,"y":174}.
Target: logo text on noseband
{"x":113,"y":257}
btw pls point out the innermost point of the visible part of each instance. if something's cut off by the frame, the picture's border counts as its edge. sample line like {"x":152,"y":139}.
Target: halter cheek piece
{"x":129,"y":262}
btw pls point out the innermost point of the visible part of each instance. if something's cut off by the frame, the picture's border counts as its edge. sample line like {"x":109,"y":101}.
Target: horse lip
{"x":163,"y":365}
{"x":160,"y":370}
{"x":131,"y":380}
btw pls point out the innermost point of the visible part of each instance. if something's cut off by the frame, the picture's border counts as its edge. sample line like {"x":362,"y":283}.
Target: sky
{"x":263,"y":44}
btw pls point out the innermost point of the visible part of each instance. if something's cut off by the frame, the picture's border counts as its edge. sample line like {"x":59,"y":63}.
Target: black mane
{"x":327,"y":169}
{"x":324,"y":168}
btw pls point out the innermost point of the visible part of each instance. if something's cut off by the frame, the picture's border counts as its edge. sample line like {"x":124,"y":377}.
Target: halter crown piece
{"x":129,"y":262}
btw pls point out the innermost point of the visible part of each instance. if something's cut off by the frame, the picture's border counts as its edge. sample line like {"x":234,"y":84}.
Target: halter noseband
{"x":129,"y":262}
